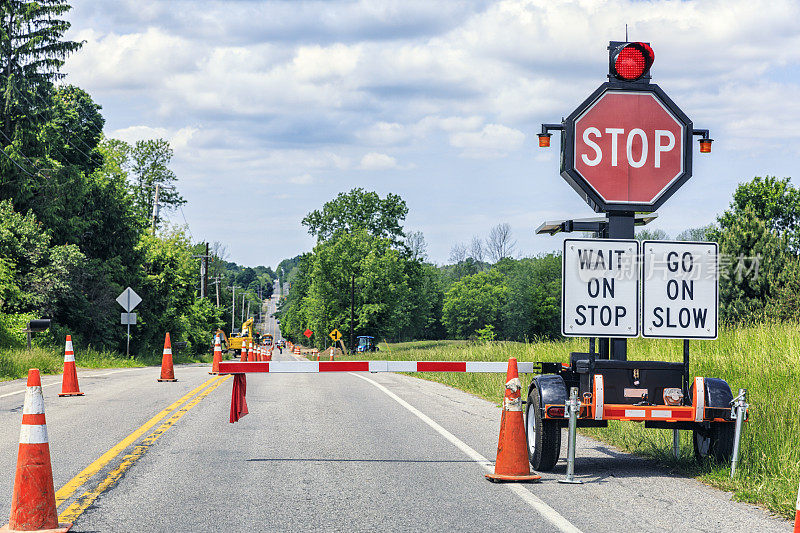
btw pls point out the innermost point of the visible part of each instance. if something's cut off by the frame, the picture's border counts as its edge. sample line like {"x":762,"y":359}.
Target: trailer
{"x":656,"y":393}
{"x":625,"y":150}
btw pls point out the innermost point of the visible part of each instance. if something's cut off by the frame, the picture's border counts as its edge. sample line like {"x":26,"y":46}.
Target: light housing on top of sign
{"x":630,"y":61}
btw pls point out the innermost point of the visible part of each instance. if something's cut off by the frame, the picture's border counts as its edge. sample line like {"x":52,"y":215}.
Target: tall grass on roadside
{"x":764,"y":359}
{"x":15,"y":362}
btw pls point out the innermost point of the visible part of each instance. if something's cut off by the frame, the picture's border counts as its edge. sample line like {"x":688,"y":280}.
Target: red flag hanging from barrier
{"x":238,"y":400}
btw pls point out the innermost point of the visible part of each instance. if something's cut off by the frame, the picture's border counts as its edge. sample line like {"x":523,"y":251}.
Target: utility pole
{"x":205,"y":272}
{"x":244,"y":297}
{"x":155,"y":209}
{"x":352,"y":309}
{"x":217,"y":284}
{"x":233,"y":307}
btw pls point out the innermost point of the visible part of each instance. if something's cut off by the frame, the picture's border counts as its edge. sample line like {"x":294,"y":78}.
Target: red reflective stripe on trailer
{"x":237,"y":367}
{"x":344,"y":366}
{"x":441,"y":366}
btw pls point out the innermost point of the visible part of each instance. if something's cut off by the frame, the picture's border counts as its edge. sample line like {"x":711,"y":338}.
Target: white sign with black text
{"x":680,"y":289}
{"x":600,"y":288}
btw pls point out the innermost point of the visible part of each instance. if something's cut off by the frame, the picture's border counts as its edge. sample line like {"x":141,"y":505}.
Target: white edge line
{"x":550,"y":514}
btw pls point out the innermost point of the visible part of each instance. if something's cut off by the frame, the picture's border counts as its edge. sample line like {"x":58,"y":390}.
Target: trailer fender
{"x":716,"y":400}
{"x":551,"y":389}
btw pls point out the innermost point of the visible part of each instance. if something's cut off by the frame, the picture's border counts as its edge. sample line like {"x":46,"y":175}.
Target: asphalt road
{"x":332,"y":452}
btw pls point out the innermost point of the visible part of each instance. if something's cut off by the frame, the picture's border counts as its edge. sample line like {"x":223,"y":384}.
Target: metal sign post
{"x":128,"y":300}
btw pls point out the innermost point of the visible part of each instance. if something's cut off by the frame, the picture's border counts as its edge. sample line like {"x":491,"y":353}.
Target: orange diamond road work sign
{"x":308,"y":333}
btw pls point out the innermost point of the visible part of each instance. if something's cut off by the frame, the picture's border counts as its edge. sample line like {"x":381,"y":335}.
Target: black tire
{"x":714,"y":442}
{"x":544,"y":436}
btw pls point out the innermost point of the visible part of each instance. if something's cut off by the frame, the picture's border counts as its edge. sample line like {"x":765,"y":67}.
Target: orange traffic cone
{"x":269,"y":355}
{"x":33,"y":505}
{"x":797,"y":513}
{"x":167,"y":370}
{"x":251,"y":353}
{"x":69,"y":381}
{"x":217,"y":356}
{"x":512,"y":448}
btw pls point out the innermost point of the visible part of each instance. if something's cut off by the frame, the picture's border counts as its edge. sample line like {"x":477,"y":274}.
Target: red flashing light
{"x":632,"y":61}
{"x":705,"y":146}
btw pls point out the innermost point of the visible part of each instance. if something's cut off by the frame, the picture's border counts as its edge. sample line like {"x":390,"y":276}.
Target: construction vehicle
{"x":246,"y":335}
{"x":366,"y":344}
{"x":266,"y":339}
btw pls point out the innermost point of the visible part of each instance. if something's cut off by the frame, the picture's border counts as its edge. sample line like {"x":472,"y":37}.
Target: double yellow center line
{"x":88,"y":497}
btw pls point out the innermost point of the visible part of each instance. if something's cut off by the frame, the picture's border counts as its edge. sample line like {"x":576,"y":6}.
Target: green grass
{"x":763,"y":359}
{"x":15,"y":362}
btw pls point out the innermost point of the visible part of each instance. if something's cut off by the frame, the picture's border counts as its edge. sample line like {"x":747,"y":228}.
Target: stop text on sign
{"x":637,"y":146}
{"x":600,"y":288}
{"x":680,"y":294}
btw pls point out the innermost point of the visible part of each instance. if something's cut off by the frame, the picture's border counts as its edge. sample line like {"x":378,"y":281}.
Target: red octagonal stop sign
{"x":629,"y":147}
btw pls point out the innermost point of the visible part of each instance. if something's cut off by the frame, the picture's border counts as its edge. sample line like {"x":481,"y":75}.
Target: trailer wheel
{"x":714,"y":442}
{"x":544,"y":436}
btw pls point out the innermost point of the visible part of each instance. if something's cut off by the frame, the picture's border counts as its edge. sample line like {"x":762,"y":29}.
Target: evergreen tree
{"x":32,"y":51}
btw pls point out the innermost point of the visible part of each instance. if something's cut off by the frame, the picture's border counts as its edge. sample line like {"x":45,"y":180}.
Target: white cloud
{"x":267,"y":93}
{"x":303,"y":179}
{"x":377,"y":161}
{"x":494,"y":140}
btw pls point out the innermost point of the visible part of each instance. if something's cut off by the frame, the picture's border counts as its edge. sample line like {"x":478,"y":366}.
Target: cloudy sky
{"x":273,"y":107}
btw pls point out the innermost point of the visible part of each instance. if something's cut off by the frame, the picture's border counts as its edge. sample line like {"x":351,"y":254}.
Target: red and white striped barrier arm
{"x":313,"y":367}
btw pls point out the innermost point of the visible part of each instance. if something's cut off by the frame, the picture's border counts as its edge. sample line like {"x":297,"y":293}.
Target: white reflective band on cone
{"x":69,"y":357}
{"x":513,"y":384}
{"x":34,"y":402}
{"x":29,"y":434}
{"x":512,"y":404}
{"x":598,"y":397}
{"x":700,"y":398}
{"x":167,"y":351}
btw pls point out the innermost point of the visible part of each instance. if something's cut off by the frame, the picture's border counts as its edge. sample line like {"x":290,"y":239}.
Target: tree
{"x":476,"y":250}
{"x":458,"y":253}
{"x":652,"y":235}
{"x":474,"y":302}
{"x":31,"y":53}
{"x":533,"y":307}
{"x":499,"y":243}
{"x":773,"y":200}
{"x":149,"y":161}
{"x":703,"y":233}
{"x":753,"y":259}
{"x":416,"y":245}
{"x":359,"y":209}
